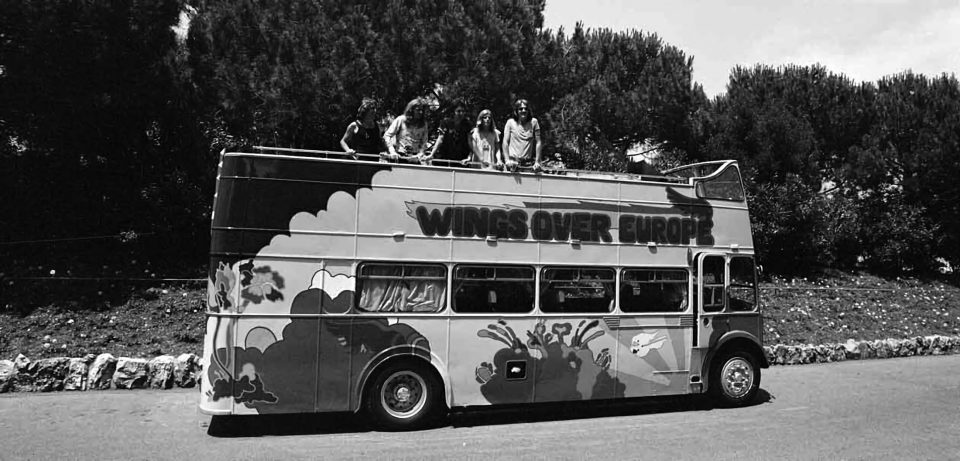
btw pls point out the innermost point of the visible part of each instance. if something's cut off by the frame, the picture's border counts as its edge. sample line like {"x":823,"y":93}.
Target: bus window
{"x":713,"y":280}
{"x":726,"y":186}
{"x":389,"y":287}
{"x":577,"y":290}
{"x":493,"y":289}
{"x":653,"y":290}
{"x":743,"y":284}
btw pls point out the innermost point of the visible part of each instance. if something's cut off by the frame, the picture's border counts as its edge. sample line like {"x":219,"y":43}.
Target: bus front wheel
{"x":735,"y":378}
{"x":404,"y":396}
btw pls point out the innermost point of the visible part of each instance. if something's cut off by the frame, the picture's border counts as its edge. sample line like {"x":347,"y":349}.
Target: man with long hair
{"x":453,"y":140}
{"x":362,"y":135}
{"x":521,"y":138}
{"x":406,"y":138}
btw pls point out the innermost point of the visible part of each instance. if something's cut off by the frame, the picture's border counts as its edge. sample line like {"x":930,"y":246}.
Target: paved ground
{"x":875,"y":409}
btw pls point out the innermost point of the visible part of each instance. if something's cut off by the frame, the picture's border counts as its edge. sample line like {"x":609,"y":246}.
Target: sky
{"x":862,"y":39}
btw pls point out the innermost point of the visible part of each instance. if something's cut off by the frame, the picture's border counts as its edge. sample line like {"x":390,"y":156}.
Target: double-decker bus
{"x":408,"y":290}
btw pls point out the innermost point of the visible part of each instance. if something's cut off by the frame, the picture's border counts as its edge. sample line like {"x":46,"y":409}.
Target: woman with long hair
{"x":485,"y":142}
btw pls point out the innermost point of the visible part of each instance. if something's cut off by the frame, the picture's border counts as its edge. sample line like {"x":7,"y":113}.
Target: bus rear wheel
{"x":404,"y":396}
{"x":735,"y":378}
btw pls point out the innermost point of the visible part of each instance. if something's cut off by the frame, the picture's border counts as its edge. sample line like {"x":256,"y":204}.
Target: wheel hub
{"x":737,"y":377}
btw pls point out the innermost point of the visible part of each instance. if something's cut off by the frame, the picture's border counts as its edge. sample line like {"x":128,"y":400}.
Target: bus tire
{"x":405,"y":395}
{"x":734,"y":378}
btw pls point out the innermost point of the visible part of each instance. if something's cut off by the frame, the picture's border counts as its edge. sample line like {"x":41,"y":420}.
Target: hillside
{"x":168,"y":319}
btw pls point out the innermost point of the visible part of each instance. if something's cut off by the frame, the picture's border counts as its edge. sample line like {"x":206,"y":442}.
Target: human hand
{"x":537,"y":167}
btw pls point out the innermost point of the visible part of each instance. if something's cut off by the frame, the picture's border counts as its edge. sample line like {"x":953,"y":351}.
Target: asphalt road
{"x":877,"y":409}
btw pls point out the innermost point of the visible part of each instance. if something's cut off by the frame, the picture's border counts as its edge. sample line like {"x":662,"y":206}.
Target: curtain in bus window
{"x":402,"y":289}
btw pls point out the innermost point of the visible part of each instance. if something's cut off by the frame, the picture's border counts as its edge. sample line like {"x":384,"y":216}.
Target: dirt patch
{"x":143,"y":322}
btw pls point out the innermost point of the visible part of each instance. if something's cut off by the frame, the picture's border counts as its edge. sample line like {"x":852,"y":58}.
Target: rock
{"x":8,"y":375}
{"x":768,"y":353}
{"x":838,"y":353}
{"x":44,"y":375}
{"x":954,"y":345}
{"x":130,"y":374}
{"x":907,"y":348}
{"x":76,"y":379}
{"x":160,"y":372}
{"x":884,"y":348}
{"x":187,"y":370}
{"x":100,"y":374}
{"x":851,"y":349}
{"x":935,"y":345}
{"x":778,"y":352}
{"x":867,"y":350}
{"x":21,"y":362}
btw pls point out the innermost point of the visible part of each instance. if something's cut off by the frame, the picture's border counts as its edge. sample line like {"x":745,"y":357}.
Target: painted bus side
{"x":292,"y":236}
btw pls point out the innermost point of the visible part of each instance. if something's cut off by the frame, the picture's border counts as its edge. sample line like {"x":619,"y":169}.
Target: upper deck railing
{"x":686,"y":174}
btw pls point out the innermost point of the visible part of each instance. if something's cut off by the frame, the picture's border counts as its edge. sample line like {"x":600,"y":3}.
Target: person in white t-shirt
{"x":521,"y":138}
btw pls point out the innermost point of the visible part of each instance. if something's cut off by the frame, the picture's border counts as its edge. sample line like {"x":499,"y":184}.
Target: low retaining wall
{"x":105,"y":371}
{"x":860,"y":350}
{"x":102,"y":371}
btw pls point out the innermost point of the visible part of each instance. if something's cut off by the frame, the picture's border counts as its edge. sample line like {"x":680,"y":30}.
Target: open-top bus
{"x":407,"y":290}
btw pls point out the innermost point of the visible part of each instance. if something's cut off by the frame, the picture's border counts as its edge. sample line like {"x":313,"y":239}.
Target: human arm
{"x":471,"y":149}
{"x":538,"y":145}
{"x":390,"y":138}
{"x":436,"y":146}
{"x":347,"y":136}
{"x":505,"y":151}
{"x":498,"y":155}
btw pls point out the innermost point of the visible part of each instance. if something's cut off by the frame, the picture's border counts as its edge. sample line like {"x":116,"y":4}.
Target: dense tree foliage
{"x":95,"y":138}
{"x":110,"y":122}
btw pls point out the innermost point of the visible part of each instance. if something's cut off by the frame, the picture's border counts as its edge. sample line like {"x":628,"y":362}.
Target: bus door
{"x":711,"y":299}
{"x":655,"y":331}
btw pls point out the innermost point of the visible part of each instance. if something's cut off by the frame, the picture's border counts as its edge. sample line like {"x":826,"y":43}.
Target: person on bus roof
{"x":406,"y":138}
{"x":452,"y":142}
{"x":485,"y":142}
{"x":363,"y":134}
{"x":521,"y":138}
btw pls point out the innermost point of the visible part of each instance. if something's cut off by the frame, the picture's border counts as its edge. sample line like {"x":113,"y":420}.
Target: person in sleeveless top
{"x":521,"y":138}
{"x":485,"y":142}
{"x":406,"y":138}
{"x":363,"y":134}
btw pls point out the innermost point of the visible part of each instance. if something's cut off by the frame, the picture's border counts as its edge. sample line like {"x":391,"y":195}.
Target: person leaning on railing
{"x":406,"y":138}
{"x":452,"y":145}
{"x":521,"y":138}
{"x":362,"y":135}
{"x":485,"y":143}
